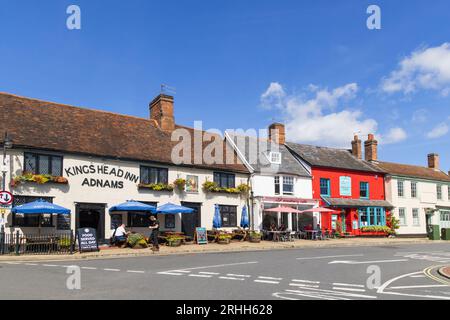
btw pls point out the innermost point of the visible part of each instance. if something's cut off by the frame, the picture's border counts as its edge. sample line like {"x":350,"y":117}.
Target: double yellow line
{"x":428,"y":272}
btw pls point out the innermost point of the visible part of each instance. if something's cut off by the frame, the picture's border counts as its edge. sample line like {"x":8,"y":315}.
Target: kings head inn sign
{"x":115,"y":180}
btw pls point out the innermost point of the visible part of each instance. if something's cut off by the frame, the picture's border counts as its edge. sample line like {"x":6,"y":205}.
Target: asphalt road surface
{"x":352,"y":273}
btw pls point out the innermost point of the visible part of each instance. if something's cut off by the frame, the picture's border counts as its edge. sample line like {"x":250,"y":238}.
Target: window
{"x":275,"y":157}
{"x":140,"y":219}
{"x":402,"y":216}
{"x":277,"y":185}
{"x":439,"y":192}
{"x":364,"y":190}
{"x":373,"y":216}
{"x":401,"y":188}
{"x":224,"y":180}
{"x":43,"y":164}
{"x":31,"y":220}
{"x":448,"y":191}
{"x":413,"y":189}
{"x":416,"y":220}
{"x":229,"y":216}
{"x":288,"y":185}
{"x":169,"y":221}
{"x":445,"y":216}
{"x":154,"y":175}
{"x":325,"y":187}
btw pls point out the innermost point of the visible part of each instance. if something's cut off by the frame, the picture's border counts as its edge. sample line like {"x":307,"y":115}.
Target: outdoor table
{"x":277,"y":235}
{"x":311,"y":234}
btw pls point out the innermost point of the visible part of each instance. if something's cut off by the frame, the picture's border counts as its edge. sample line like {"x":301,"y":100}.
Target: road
{"x":351,"y":273}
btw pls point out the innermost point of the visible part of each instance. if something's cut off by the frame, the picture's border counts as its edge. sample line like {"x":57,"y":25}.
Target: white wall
{"x":68,"y":195}
{"x":426,"y":198}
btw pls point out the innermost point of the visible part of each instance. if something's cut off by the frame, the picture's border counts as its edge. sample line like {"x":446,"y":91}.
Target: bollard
{"x":72,"y":244}
{"x":17,"y":243}
{"x":2,"y":240}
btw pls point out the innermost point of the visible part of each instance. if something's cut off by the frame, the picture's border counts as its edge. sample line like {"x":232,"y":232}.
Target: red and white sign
{"x":6,"y":198}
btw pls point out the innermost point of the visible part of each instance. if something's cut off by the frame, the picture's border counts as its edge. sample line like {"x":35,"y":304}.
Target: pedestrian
{"x":154,"y":226}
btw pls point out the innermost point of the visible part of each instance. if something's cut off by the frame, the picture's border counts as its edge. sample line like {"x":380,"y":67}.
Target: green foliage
{"x":37,"y":178}
{"x":210,"y":186}
{"x":180,"y":184}
{"x":224,"y":237}
{"x":136,"y":239}
{"x":377,"y":229}
{"x":393,"y":223}
{"x":157,"y":187}
{"x":65,"y":242}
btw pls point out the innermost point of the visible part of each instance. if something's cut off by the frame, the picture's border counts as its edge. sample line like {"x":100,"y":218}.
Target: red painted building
{"x":343,"y":181}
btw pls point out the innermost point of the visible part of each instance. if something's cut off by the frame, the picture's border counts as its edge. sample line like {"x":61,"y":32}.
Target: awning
{"x":320,"y":210}
{"x":356,"y":203}
{"x":133,"y":206}
{"x":283,"y":210}
{"x":40,"y":207}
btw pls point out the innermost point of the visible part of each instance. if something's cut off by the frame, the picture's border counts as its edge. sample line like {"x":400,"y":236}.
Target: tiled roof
{"x":51,"y":126}
{"x":331,"y":158}
{"x":256,"y":152}
{"x":355,"y":203}
{"x":413,"y":171}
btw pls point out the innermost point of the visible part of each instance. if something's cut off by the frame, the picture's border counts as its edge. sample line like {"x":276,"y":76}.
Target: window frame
{"x":404,"y":211}
{"x":51,"y":159}
{"x":374,"y":216}
{"x":402,"y":184}
{"x":158,"y":170}
{"x":361,"y":183}
{"x":416,"y":211}
{"x":328,"y":181}
{"x":229,"y":177}
{"x":232,"y":216}
{"x":439,"y":194}
{"x":278,"y":157}
{"x":414,"y":190}
{"x":277,"y":184}
{"x":284,"y":184}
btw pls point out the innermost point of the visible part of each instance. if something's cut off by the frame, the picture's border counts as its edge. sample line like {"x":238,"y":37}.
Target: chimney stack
{"x":277,"y":133}
{"x":161,"y":110}
{"x":433,"y":161}
{"x":357,"y":147}
{"x":371,"y":148}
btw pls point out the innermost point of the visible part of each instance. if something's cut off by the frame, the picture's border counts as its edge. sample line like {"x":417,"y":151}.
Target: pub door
{"x":191,"y":221}
{"x":91,"y":216}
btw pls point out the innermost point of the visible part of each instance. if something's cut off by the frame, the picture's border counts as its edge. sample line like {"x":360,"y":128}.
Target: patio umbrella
{"x":132,"y":205}
{"x":171,"y":208}
{"x":40,"y":207}
{"x":320,"y":210}
{"x":217,"y":220}
{"x":284,"y":210}
{"x":245,"y":221}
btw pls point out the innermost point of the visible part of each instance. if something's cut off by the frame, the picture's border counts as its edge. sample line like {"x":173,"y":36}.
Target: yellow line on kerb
{"x":428,"y":273}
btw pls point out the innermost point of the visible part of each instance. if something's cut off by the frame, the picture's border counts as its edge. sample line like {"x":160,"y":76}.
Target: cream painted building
{"x":98,"y":159}
{"x":421,"y":195}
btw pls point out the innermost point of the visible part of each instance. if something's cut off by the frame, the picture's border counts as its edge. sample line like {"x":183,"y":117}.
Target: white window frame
{"x":416,"y":221}
{"x":275,"y":157}
{"x":414,"y":183}
{"x":293,"y":185}
{"x":439,"y":194}
{"x":402,"y":182}
{"x":405,"y":217}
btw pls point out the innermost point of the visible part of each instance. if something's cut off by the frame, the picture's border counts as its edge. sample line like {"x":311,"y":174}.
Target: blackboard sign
{"x":63,"y":222}
{"x":87,"y":240}
{"x":202,"y":237}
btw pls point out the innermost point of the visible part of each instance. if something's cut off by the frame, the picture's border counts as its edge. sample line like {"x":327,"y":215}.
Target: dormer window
{"x":275,"y":157}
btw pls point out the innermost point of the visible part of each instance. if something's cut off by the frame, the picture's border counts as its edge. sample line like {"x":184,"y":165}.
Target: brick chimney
{"x":371,"y":148}
{"x":161,"y":110}
{"x":357,"y":147}
{"x":433,"y":161}
{"x":277,"y":133}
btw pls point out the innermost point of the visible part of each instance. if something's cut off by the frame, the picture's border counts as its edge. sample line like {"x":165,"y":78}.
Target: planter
{"x":174,"y":243}
{"x":255,"y":239}
{"x":374,"y":234}
{"x":224,"y":241}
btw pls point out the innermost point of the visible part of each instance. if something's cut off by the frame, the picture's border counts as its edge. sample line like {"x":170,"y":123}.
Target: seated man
{"x":120,"y":235}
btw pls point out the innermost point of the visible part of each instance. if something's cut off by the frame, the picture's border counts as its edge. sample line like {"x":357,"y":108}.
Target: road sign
{"x":6,"y":198}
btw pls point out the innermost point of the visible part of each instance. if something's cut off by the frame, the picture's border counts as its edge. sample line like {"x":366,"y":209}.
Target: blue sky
{"x":245,"y":64}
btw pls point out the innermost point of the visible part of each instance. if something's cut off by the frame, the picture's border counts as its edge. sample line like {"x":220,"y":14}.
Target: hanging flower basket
{"x":213,"y":187}
{"x":180,"y":184}
{"x":37,"y":178}
{"x":157,"y":187}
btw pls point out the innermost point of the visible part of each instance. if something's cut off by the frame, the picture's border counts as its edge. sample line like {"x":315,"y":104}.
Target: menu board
{"x":87,"y":240}
{"x":202,"y":236}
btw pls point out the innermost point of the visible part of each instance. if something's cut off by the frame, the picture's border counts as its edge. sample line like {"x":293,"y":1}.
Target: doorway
{"x":191,"y":221}
{"x":90,"y":215}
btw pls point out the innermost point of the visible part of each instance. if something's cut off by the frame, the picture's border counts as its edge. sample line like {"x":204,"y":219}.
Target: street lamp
{"x":7,"y":144}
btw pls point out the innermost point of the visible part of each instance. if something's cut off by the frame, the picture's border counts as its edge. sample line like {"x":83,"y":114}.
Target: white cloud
{"x":426,"y":68}
{"x":319,"y":119}
{"x":420,"y":116}
{"x":394,"y":135}
{"x":439,"y":131}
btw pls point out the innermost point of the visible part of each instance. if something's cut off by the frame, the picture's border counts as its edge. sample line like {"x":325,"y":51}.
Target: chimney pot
{"x":433,"y":161}
{"x":161,"y":110}
{"x":371,"y":148}
{"x":357,"y":147}
{"x":277,"y":133}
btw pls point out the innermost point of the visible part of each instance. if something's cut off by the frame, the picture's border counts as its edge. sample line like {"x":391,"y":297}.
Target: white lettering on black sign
{"x":87,"y":239}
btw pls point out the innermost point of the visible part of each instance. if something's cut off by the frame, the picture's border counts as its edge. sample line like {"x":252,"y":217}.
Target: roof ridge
{"x":318,"y":147}
{"x":411,"y":165}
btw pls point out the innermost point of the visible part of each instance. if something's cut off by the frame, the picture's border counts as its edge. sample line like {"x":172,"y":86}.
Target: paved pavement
{"x":359,"y":273}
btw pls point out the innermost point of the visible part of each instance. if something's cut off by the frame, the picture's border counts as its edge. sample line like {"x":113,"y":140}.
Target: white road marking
{"x":331,"y":257}
{"x":321,"y":295}
{"x":239,"y":275}
{"x":308,"y":295}
{"x":50,"y":265}
{"x":171,"y":273}
{"x":270,"y":278}
{"x":181,"y":271}
{"x":424,"y":286}
{"x":349,"y":289}
{"x":210,"y":273}
{"x":267,"y":281}
{"x":88,"y":268}
{"x":218,"y":266}
{"x":200,"y":276}
{"x":31,"y":264}
{"x":419,"y":276}
{"x":303,"y":285}
{"x":135,"y":271}
{"x":306,"y":281}
{"x":112,"y":270}
{"x":348,"y":285}
{"x":231,"y":278}
{"x":368,"y":262}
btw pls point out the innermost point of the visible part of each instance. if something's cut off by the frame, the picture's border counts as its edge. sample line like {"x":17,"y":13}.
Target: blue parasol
{"x":171,"y":208}
{"x":245,"y":221}
{"x":133,"y":206}
{"x":217,"y":220}
{"x":40,"y":207}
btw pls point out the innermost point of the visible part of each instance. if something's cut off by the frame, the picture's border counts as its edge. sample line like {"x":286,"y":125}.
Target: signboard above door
{"x":345,"y":186}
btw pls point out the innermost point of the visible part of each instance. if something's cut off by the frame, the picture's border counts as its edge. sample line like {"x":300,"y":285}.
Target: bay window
{"x":372,"y":216}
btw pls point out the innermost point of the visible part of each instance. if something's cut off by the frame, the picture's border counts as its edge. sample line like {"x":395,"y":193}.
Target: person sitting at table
{"x":308,"y":227}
